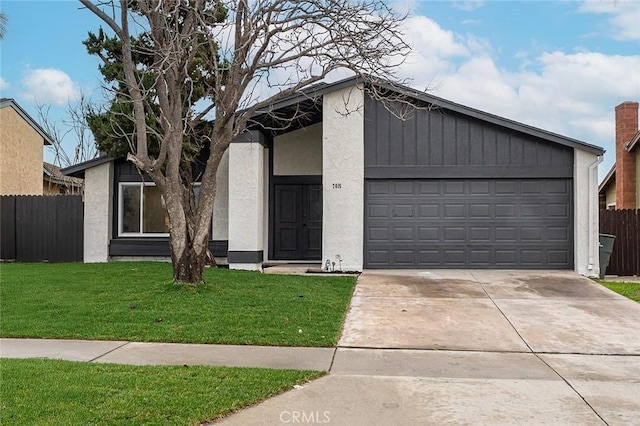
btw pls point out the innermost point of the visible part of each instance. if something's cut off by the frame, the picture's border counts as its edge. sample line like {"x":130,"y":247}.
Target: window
{"x":142,"y":210}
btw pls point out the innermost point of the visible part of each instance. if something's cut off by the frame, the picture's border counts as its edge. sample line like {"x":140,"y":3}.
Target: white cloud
{"x":624,"y":16}
{"x":468,"y":5}
{"x":4,"y":84}
{"x":570,"y":93}
{"x":49,"y":85}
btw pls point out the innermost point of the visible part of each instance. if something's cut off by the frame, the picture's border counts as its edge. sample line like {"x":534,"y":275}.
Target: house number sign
{"x":336,"y":185}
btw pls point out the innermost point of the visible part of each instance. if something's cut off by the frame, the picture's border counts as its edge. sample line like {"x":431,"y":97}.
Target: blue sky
{"x":559,"y":65}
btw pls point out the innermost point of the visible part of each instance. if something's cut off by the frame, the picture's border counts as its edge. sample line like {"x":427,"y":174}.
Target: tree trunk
{"x":188,"y":267}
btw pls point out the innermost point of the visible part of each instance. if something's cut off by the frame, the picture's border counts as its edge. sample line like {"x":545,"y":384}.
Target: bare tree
{"x":3,"y":25}
{"x":260,"y":51}
{"x":73,"y":126}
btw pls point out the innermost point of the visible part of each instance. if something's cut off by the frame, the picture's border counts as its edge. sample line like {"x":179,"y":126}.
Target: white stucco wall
{"x":246,"y":200}
{"x":298,"y":152}
{"x":343,"y":178}
{"x":220,"y":220}
{"x":585,"y":213}
{"x":98,"y":208}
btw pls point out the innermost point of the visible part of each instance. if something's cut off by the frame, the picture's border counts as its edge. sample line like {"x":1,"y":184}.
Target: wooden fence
{"x":625,"y":225}
{"x":41,"y":228}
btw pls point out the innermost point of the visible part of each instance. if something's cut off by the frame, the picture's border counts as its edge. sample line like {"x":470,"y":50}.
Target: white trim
{"x":140,"y":234}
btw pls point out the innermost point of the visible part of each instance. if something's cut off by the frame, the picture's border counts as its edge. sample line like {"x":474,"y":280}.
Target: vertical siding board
{"x":382,"y":135}
{"x":423,"y":138}
{"x":440,"y":137}
{"x":530,"y":154}
{"x":396,"y":140}
{"x":544,"y":153}
{"x":410,"y":145}
{"x":516,"y":150}
{"x":475,"y":144}
{"x":489,"y":146}
{"x":503,"y":149}
{"x":370,"y":135}
{"x":435,"y":138}
{"x":449,"y":142}
{"x":462,"y":141}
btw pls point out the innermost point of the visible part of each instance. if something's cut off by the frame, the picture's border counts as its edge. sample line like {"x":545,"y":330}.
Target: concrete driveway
{"x":474,"y":347}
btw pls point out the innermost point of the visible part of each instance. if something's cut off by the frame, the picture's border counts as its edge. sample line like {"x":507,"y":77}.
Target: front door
{"x":297,"y":222}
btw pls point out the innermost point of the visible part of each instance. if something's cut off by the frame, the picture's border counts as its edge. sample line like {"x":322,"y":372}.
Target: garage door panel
{"x":469,"y":223}
{"x":429,"y":235}
{"x":428,"y":211}
{"x":430,"y":258}
{"x":428,"y":188}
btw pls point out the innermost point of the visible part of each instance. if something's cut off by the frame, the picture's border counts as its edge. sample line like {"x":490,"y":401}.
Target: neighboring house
{"x":21,"y":142}
{"x":448,"y":187}
{"x":57,"y":183}
{"x":620,"y":189}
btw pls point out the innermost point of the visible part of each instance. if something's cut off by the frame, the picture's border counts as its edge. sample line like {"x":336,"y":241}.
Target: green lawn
{"x":630,"y":290}
{"x":51,"y":392}
{"x":137,"y":301}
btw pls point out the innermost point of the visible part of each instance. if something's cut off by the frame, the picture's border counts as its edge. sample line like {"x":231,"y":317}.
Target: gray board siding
{"x":440,"y":143}
{"x":157,"y":247}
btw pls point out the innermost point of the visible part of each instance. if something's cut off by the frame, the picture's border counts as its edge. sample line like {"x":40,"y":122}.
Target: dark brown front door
{"x":297,"y":222}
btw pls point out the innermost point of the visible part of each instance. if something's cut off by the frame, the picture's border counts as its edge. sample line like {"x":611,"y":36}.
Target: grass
{"x":630,"y":290}
{"x":51,"y":392}
{"x":137,"y":301}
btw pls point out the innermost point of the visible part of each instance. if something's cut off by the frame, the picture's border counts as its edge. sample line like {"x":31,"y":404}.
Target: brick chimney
{"x":626,"y":128}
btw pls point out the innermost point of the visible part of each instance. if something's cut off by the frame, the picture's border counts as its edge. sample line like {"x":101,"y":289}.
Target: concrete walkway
{"x":437,"y":347}
{"x":474,"y":347}
{"x":140,"y":353}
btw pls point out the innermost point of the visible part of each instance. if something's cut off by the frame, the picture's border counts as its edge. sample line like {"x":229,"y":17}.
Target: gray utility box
{"x":606,"y":247}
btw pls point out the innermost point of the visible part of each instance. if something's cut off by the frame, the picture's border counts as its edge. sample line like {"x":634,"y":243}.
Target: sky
{"x":562,"y":66}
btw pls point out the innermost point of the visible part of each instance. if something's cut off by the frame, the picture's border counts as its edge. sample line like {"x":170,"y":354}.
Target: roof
{"x":55,"y":175}
{"x":8,"y":102}
{"x":315,"y":91}
{"x":77,"y":170}
{"x":634,"y":143}
{"x":609,"y":177}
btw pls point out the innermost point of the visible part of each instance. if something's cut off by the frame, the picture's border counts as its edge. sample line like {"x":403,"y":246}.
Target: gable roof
{"x":317,"y":91}
{"x":634,"y":143}
{"x":9,"y":102}
{"x":54,"y":174}
{"x":609,"y":177}
{"x":77,"y":170}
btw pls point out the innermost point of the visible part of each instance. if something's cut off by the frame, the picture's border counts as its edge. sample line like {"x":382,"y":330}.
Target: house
{"x":57,"y":183}
{"x":21,"y":142}
{"x":350,"y":183}
{"x":620,"y":189}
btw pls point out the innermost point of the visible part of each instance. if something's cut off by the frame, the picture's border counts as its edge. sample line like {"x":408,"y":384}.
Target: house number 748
{"x":337,"y":185}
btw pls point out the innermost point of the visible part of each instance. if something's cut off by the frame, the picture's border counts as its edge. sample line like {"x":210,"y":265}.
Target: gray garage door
{"x":461,"y":223}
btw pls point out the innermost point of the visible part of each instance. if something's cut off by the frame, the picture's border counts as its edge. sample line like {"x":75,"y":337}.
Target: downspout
{"x":593,"y":190}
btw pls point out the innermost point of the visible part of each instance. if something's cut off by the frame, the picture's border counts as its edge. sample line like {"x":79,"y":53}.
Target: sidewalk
{"x":139,"y":353}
